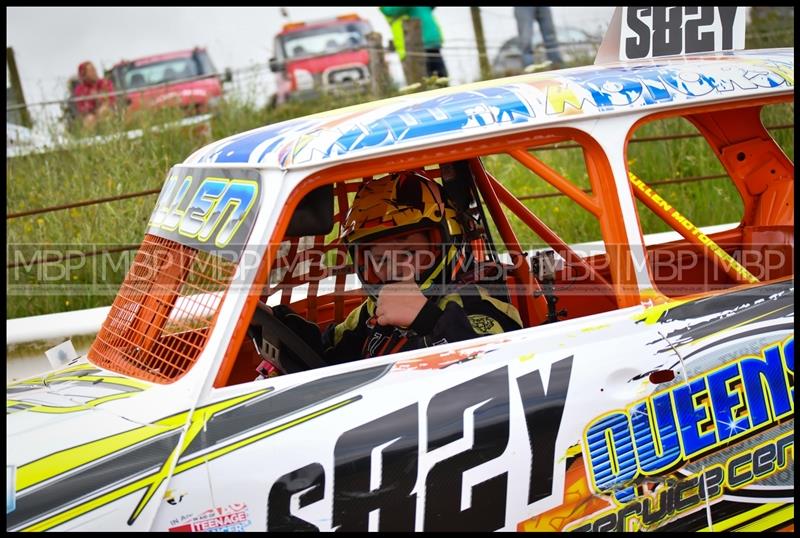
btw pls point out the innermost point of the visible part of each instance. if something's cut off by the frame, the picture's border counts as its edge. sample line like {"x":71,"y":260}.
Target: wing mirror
{"x":314,"y":214}
{"x":276,"y":65}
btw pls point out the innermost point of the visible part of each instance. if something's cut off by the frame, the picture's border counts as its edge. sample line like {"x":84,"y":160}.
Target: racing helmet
{"x":399,"y":204}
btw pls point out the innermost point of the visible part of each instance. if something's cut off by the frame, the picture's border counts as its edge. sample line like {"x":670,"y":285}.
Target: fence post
{"x":415,"y":54}
{"x":483,"y":59}
{"x":16,"y":88}
{"x":378,"y":70}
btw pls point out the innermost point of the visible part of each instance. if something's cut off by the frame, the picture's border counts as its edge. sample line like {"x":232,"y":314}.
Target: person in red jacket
{"x":91,"y":110}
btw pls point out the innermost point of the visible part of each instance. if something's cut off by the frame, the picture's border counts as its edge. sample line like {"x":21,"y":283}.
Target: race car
{"x":633,"y":398}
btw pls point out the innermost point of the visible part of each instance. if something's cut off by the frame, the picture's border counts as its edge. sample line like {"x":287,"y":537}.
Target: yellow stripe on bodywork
{"x":199,"y":420}
{"x":652,"y":314}
{"x":67,"y":460}
{"x":70,"y":459}
{"x":194,"y":462}
{"x":39,"y":379}
{"x":58,"y":377}
{"x":109,"y":380}
{"x":153,"y":481}
{"x":57,"y":409}
{"x":745,"y":517}
{"x":770,"y":520}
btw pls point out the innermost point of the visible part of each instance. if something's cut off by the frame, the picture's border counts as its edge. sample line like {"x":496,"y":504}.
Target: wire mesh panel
{"x":163,"y":313}
{"x":316,"y":263}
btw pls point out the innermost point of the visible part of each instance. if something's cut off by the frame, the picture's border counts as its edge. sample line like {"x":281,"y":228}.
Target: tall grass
{"x":124,"y":166}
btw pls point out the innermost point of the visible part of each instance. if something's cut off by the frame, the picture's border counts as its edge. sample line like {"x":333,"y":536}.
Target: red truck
{"x":319,"y":56}
{"x":186,"y":78}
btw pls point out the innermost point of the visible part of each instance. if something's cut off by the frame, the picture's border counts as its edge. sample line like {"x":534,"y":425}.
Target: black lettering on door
{"x":543,"y":412}
{"x":445,"y":481}
{"x":353,"y":496}
{"x":279,"y":516}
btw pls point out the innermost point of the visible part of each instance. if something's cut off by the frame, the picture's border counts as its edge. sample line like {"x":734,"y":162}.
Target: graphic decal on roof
{"x":488,"y":105}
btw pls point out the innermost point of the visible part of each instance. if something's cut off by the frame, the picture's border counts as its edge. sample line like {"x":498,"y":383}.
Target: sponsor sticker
{"x":232,"y":518}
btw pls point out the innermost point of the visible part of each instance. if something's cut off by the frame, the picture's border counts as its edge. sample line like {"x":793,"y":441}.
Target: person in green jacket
{"x":431,"y":35}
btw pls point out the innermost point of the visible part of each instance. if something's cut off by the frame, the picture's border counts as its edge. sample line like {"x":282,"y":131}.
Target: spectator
{"x":431,"y":35}
{"x":398,"y":41}
{"x":525,"y":16}
{"x":91,"y":110}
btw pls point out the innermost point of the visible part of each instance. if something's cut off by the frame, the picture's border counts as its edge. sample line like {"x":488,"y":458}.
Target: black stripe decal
{"x":768,"y":310}
{"x":729,"y":301}
{"x":15,"y":390}
{"x":688,"y":523}
{"x":18,"y":407}
{"x":149,"y":456}
{"x":90,"y":480}
{"x":276,"y":405}
{"x":755,"y":332}
{"x":89,"y":370}
{"x":720,"y":512}
{"x":759,"y":516}
{"x":768,"y":494}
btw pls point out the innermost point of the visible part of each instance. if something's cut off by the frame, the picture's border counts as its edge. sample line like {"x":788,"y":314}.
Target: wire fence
{"x":467,"y":49}
{"x":80,"y":255}
{"x":126,"y":248}
{"x":117,"y":93}
{"x":150,"y":192}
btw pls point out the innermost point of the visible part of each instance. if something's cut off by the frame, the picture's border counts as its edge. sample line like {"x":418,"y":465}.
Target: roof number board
{"x":637,"y":33}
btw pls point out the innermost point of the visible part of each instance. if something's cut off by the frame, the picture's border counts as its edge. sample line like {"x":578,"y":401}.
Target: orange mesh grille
{"x":163,"y":313}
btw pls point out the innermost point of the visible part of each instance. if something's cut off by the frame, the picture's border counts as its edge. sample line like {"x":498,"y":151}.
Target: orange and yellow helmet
{"x":402,"y":203}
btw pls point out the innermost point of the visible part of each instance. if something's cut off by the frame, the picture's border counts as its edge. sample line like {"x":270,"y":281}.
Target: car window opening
{"x":526,"y":263}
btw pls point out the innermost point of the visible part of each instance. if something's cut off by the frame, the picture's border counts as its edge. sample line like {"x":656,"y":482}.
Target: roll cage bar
{"x":619,"y":285}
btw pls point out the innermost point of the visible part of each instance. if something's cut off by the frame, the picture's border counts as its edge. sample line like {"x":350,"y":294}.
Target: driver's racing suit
{"x":469,"y":312}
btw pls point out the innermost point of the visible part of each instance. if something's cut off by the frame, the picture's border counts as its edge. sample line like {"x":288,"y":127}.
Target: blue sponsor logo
{"x":657,"y":435}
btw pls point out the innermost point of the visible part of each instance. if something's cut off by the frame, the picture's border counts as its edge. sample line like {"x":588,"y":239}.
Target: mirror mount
{"x":314,"y":214}
{"x":276,"y":65}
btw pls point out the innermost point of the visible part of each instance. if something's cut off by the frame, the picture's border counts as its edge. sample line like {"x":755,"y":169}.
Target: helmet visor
{"x":407,"y":255}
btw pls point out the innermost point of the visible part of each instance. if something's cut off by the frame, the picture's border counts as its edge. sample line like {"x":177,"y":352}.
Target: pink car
{"x":186,"y":79}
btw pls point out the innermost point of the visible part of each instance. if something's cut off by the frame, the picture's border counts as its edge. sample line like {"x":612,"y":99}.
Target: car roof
{"x":319,"y":23}
{"x":144,"y":60}
{"x":499,"y":106}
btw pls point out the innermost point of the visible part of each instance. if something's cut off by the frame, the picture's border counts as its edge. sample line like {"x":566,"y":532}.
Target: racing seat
{"x":483,"y":266}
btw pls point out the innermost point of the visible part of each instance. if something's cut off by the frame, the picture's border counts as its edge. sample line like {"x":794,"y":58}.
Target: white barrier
{"x":22,"y":141}
{"x":83,"y":322}
{"x":51,"y":326}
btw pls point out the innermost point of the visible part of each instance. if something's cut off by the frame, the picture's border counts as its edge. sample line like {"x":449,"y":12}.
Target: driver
{"x":405,"y":242}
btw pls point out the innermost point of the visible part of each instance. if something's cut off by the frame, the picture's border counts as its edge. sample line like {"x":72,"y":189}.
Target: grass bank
{"x":125,"y":166}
